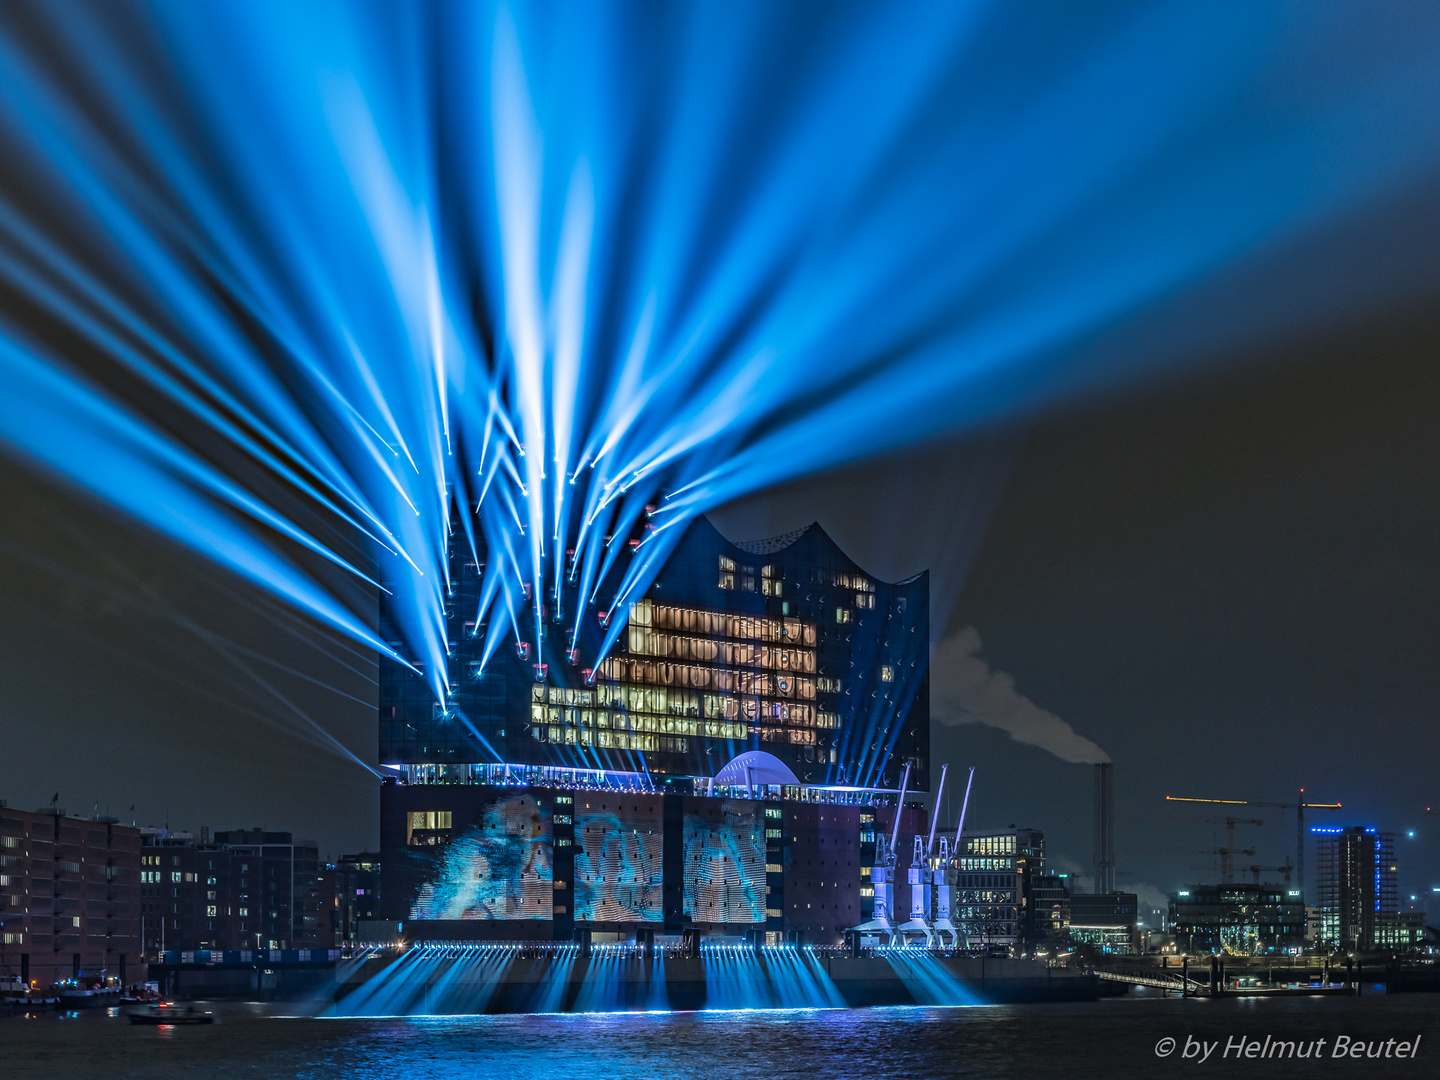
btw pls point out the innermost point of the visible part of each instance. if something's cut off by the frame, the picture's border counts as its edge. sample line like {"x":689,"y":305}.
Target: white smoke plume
{"x":964,"y":690}
{"x":1148,"y":898}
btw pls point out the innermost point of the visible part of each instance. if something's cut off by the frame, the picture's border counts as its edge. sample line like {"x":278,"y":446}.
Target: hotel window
{"x":727,"y":573}
{"x":210,"y":910}
{"x":747,"y":579}
{"x":865,"y":600}
{"x":842,"y":615}
{"x":887,"y":673}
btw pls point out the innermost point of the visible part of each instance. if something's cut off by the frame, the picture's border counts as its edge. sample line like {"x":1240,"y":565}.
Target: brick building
{"x":69,"y":897}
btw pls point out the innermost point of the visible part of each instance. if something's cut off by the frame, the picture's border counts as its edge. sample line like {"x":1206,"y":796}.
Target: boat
{"x":168,"y":1013}
{"x":75,"y":995}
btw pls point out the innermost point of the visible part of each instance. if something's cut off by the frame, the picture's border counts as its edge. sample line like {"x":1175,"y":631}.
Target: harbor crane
{"x":882,"y":874}
{"x":1299,"y":806}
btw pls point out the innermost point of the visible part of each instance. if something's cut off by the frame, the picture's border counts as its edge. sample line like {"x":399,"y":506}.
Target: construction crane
{"x":1229,"y":851}
{"x":1299,"y":806}
{"x":1256,"y":871}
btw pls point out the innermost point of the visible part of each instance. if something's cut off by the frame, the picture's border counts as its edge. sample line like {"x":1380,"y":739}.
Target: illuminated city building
{"x":783,"y":645}
{"x":1106,"y":922}
{"x":1358,"y":886}
{"x":723,"y":766}
{"x":1238,"y":919}
{"x":994,"y":875}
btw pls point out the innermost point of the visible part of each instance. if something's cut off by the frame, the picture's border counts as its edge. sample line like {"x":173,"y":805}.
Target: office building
{"x":995,"y":873}
{"x":1238,"y":919}
{"x":244,"y":889}
{"x":1358,"y":883}
{"x":1049,"y":908}
{"x":1105,"y":922}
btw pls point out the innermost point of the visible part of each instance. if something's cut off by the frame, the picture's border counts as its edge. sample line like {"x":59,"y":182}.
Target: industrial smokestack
{"x":1105,"y":827}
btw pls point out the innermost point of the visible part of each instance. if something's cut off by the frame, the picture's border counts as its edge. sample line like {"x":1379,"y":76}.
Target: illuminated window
{"x":865,"y":600}
{"x":887,"y":673}
{"x":430,"y":819}
{"x":842,"y":615}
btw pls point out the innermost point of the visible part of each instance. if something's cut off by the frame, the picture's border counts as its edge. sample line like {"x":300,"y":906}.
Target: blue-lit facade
{"x":1358,"y":885}
{"x":560,"y":789}
{"x":784,"y":646}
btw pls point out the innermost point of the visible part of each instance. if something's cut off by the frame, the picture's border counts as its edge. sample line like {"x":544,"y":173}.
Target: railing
{"x":1160,"y":980}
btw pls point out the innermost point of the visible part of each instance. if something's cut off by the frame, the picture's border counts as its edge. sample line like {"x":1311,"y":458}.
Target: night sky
{"x":1230,"y":585}
{"x":1187,"y":515}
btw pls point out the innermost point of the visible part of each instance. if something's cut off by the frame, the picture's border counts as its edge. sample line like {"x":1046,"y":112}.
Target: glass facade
{"x":1358,"y":884}
{"x":1243,"y":920}
{"x":784,"y":646}
{"x":993,"y":872}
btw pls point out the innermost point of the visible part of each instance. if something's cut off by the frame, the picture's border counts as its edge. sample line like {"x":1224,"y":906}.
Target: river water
{"x":1113,"y":1038}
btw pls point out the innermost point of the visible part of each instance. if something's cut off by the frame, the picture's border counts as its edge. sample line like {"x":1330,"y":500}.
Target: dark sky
{"x":1232,"y":585}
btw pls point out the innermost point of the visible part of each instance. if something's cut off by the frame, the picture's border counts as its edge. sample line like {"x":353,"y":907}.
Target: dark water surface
{"x":1115,"y":1038}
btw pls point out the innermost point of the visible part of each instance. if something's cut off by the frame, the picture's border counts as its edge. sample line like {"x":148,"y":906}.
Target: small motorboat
{"x":168,"y":1013}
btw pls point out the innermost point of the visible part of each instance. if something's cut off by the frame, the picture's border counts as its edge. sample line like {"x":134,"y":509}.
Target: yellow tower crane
{"x":1299,"y":806}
